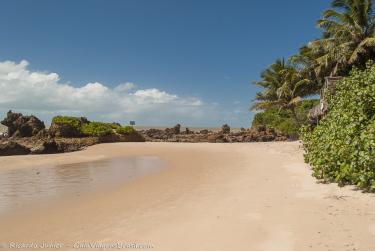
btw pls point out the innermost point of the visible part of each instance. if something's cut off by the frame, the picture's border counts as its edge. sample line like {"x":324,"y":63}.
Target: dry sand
{"x":258,"y":196}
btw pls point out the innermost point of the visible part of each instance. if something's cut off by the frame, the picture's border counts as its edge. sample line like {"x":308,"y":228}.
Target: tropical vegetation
{"x":98,"y":129}
{"x":340,"y":148}
{"x":74,"y":122}
{"x":282,"y":120}
{"x":87,"y":128}
{"x":125,"y":130}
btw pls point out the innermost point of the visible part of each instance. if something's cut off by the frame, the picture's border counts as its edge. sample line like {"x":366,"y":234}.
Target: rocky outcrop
{"x":22,"y":126}
{"x":225,"y":129}
{"x":260,"y":134}
{"x":48,"y":145}
{"x":174,"y":130}
{"x":132,"y":137}
{"x":68,"y":130}
{"x":8,"y":148}
{"x":29,"y":136}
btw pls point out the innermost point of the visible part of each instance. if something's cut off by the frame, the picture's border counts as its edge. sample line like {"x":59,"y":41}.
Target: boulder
{"x":22,"y":126}
{"x":154,"y":133}
{"x":132,"y":137}
{"x":13,"y":148}
{"x":68,"y":130}
{"x":44,"y":147}
{"x":218,"y":138}
{"x":261,"y":128}
{"x":174,"y":130}
{"x":3,"y":135}
{"x":225,"y":129}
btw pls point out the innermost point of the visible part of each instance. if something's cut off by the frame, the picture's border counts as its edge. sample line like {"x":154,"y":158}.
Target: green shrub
{"x":74,"y":122}
{"x":282,"y":120}
{"x":125,"y":130}
{"x":114,"y":125}
{"x":97,"y":129}
{"x":342,"y":146}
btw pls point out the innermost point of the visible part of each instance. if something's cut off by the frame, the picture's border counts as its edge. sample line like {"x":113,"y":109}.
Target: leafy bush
{"x":125,"y":130}
{"x":74,"y":122}
{"x":282,"y":120}
{"x":114,"y":125}
{"x":97,"y":129}
{"x":342,"y":147}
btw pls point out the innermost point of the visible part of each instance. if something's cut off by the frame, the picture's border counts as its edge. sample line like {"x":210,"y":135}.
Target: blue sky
{"x":197,"y":54}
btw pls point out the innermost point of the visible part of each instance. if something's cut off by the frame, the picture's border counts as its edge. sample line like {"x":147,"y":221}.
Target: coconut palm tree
{"x":305,"y":62}
{"x":271,"y":82}
{"x":284,"y":85}
{"x":348,"y":37}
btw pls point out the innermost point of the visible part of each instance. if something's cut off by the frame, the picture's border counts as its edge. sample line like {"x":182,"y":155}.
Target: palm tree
{"x":348,"y":37}
{"x":305,"y":62}
{"x":271,"y":82}
{"x":284,"y":85}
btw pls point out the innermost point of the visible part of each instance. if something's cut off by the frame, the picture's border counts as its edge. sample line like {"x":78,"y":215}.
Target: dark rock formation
{"x":68,"y":130}
{"x":132,"y":137}
{"x":260,"y":134}
{"x":154,"y":134}
{"x":30,"y":137}
{"x":3,"y":135}
{"x":47,"y":146}
{"x":225,"y":129}
{"x":12,"y":148}
{"x":218,"y":138}
{"x":174,"y":130}
{"x":261,"y":128}
{"x":205,"y":131}
{"x":22,"y":126}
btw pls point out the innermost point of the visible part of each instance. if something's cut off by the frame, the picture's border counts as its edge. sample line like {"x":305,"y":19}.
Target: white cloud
{"x":125,"y":87}
{"x":43,"y":94}
{"x":154,"y":96}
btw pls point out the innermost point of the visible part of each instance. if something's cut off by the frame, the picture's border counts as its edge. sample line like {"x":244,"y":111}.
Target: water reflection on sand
{"x":24,"y":186}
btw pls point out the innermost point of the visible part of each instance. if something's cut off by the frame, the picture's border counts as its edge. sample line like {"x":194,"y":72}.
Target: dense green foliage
{"x":125,"y":130}
{"x":97,"y":129}
{"x":282,"y":120}
{"x":74,"y":122}
{"x":114,"y":125}
{"x":342,"y":147}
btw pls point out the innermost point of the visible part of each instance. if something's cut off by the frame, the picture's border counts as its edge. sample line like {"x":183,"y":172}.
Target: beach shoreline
{"x":250,"y":196}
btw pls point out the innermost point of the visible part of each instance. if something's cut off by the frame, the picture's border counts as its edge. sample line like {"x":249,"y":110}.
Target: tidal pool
{"x":27,"y":186}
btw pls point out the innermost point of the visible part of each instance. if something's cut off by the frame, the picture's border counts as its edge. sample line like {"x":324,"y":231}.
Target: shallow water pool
{"x":26,"y":186}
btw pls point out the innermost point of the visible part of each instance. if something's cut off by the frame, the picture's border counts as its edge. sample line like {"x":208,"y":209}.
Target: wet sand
{"x":39,"y":185}
{"x":258,"y":196}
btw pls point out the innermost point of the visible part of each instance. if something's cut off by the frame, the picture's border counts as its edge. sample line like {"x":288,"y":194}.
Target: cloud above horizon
{"x":44,"y":94}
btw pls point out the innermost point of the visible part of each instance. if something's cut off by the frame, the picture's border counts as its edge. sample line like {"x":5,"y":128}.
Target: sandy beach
{"x":257,"y":196}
